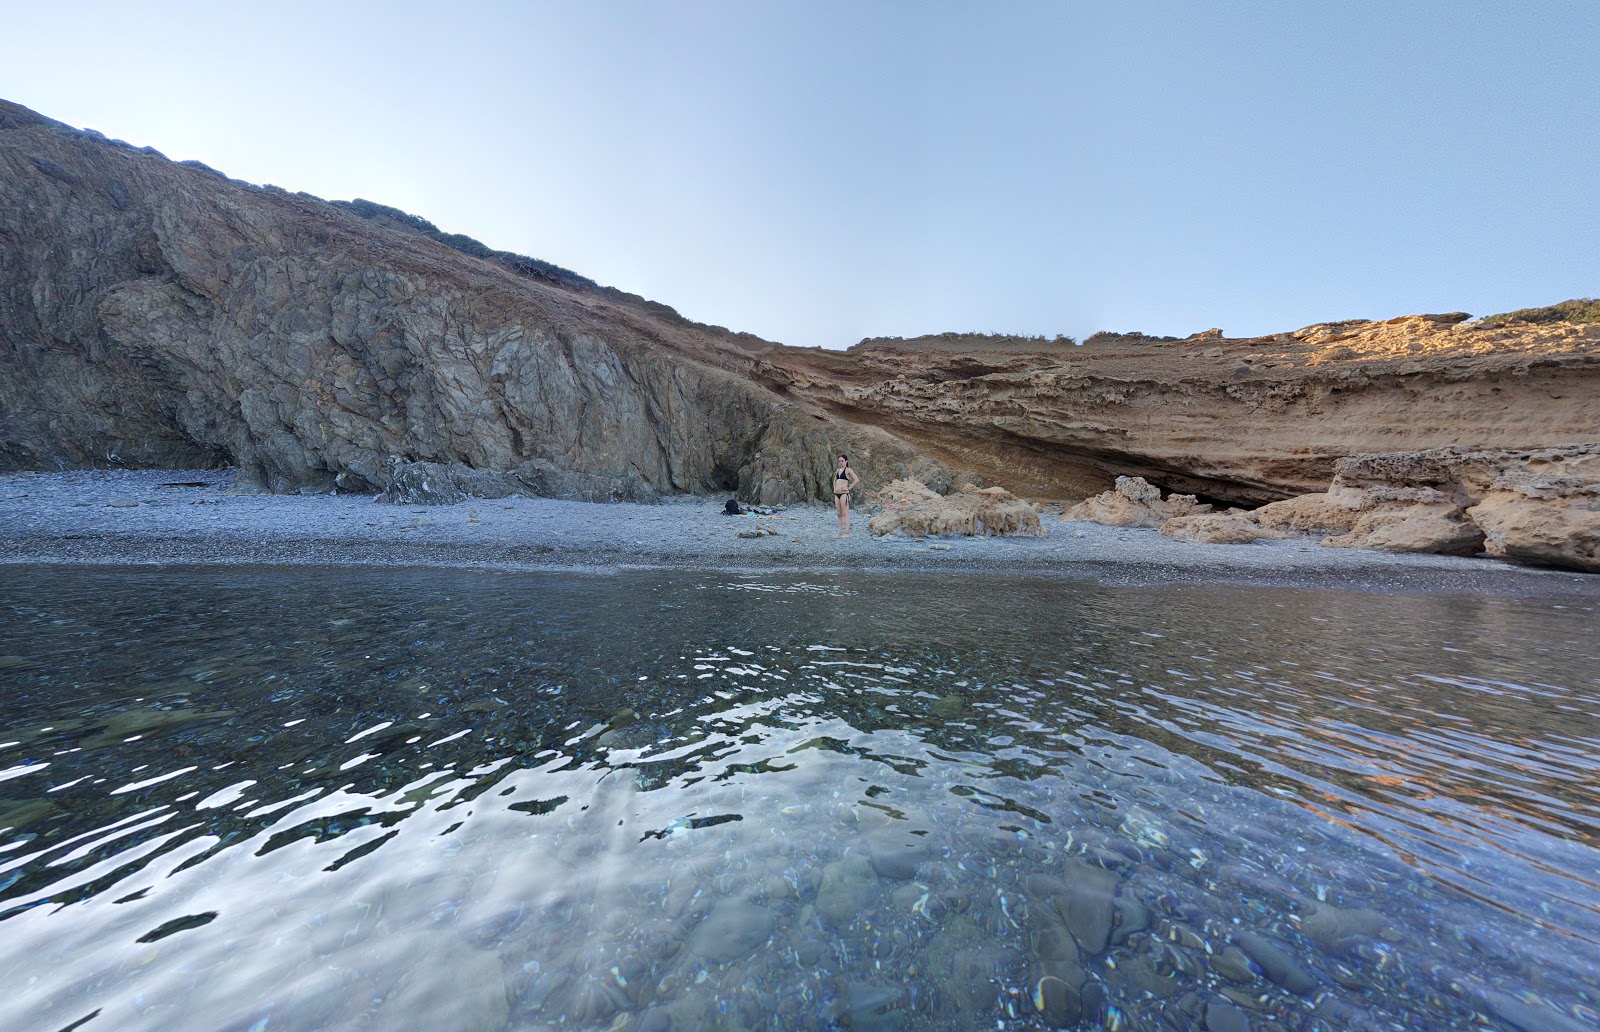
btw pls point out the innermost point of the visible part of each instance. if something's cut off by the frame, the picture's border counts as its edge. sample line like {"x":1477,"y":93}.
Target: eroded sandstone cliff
{"x":1240,"y":421}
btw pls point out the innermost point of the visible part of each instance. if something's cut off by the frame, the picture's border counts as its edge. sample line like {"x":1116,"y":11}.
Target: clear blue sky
{"x":822,"y":171}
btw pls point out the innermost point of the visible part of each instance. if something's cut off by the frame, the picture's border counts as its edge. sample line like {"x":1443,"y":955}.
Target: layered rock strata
{"x":1237,"y":421}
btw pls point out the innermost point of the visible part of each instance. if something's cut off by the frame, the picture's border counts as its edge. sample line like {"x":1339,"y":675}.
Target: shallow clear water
{"x":306,"y":799}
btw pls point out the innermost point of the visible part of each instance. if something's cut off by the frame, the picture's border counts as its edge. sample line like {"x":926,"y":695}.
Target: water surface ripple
{"x":309,"y":799}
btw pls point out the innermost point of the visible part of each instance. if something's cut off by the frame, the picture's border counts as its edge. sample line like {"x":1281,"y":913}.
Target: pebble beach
{"x":194,"y":517}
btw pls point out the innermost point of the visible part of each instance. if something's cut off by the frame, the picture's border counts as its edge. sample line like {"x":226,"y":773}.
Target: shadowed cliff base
{"x":159,"y":314}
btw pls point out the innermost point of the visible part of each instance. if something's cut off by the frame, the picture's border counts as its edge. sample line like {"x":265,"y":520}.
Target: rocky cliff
{"x":155,"y":313}
{"x":1240,"y":421}
{"x":159,"y":314}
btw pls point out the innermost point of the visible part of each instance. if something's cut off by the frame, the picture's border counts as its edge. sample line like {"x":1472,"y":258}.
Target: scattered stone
{"x":1417,"y":528}
{"x":1088,"y":905}
{"x":1545,"y":521}
{"x":1222,"y":1016}
{"x":1276,"y":964}
{"x":122,"y":503}
{"x":1537,"y":506}
{"x":1320,"y":514}
{"x":1338,"y":929}
{"x":1233,"y":965}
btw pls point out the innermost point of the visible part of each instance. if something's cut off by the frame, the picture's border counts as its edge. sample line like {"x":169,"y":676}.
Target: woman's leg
{"x":839,"y":503}
{"x":844,"y":507}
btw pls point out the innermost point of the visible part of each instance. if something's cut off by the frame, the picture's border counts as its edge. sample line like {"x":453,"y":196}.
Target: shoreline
{"x":160,"y":518}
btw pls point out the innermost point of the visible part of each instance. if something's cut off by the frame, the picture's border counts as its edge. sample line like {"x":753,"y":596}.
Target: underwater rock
{"x":848,"y":886}
{"x":1089,"y":904}
{"x":1223,"y":1016}
{"x":1338,"y":929}
{"x":1232,"y":963}
{"x":895,"y":852}
{"x":733,"y":930}
{"x":1276,"y":964}
{"x":868,"y":1006}
{"x":461,"y":989}
{"x":1057,"y":1002}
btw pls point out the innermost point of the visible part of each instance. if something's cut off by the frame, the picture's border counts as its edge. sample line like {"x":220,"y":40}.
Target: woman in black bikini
{"x":844,"y":481}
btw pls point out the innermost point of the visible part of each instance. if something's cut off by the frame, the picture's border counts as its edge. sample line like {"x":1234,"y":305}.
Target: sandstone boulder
{"x":1546,"y":521}
{"x":1134,"y":502}
{"x":1418,"y":528}
{"x":1219,"y":528}
{"x":912,"y":509}
{"x":1320,"y":513}
{"x":1538,"y":506}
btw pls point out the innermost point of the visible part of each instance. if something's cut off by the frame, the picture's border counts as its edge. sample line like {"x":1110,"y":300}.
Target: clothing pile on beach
{"x":733,"y":508}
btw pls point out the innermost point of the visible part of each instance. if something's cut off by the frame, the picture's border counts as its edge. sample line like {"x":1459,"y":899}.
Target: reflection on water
{"x":328,"y":799}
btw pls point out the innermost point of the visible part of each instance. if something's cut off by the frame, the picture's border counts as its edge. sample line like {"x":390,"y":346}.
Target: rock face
{"x":1134,"y":502}
{"x":1242,"y":421}
{"x":160,"y":314}
{"x":155,"y":313}
{"x":1539,"y":506}
{"x":911,"y":508}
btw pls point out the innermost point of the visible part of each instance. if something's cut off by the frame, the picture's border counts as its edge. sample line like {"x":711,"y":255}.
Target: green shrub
{"x":1578,"y":310}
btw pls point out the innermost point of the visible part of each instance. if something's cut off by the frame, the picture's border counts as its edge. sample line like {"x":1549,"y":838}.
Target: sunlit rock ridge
{"x":156,"y":313}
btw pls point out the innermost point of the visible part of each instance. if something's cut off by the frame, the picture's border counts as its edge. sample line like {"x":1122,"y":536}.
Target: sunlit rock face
{"x":160,"y":314}
{"x":1240,"y":421}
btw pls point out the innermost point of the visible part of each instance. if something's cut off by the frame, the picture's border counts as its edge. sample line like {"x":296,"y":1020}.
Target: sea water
{"x":340,"y":799}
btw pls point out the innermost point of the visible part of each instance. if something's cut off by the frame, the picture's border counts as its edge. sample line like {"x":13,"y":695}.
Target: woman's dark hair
{"x":843,"y":456}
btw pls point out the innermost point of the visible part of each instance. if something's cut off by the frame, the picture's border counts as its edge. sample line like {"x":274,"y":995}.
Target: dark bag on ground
{"x":732,"y":508}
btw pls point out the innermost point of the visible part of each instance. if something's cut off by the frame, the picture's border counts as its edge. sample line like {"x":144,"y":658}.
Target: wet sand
{"x":159,"y":517}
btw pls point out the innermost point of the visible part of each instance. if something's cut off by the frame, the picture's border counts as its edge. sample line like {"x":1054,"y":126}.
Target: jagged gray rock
{"x":159,"y":314}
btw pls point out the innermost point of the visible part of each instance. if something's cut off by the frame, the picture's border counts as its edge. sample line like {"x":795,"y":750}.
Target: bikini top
{"x":843,"y":475}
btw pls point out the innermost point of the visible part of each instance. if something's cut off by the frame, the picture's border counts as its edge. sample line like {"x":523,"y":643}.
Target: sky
{"x":820,"y":172}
